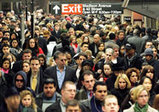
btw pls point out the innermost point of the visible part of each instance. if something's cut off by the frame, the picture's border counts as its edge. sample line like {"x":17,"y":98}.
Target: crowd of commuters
{"x":77,"y":63}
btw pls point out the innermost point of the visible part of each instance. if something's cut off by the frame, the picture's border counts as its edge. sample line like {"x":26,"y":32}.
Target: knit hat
{"x":88,"y":62}
{"x":129,"y":46}
{"x":149,"y":52}
{"x":11,"y":92}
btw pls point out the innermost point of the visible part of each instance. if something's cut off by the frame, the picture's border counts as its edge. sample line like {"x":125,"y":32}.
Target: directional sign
{"x":72,"y":9}
{"x":94,"y":8}
{"x":56,"y":9}
{"x":102,"y":9}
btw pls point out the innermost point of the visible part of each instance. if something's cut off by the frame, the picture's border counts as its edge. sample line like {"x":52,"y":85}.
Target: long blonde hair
{"x":27,"y":92}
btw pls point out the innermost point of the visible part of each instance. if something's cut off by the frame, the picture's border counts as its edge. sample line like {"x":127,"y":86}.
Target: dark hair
{"x":27,"y":51}
{"x":72,"y":103}
{"x":4,"y":59}
{"x":87,"y":72}
{"x":56,"y":54}
{"x":84,"y":43}
{"x":5,"y":38}
{"x":98,"y":83}
{"x":50,"y":81}
{"x":152,"y":82}
{"x":34,"y":58}
{"x":5,"y":45}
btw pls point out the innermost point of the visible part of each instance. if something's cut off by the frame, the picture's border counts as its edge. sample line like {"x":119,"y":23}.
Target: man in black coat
{"x":36,"y":76}
{"x":60,"y":72}
{"x":132,"y":59}
{"x":49,"y":94}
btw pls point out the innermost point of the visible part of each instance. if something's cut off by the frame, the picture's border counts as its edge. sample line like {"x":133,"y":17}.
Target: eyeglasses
{"x":21,"y":80}
{"x":63,"y":59}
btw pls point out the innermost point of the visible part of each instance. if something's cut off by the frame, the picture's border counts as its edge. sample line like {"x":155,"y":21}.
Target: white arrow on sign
{"x":56,"y":8}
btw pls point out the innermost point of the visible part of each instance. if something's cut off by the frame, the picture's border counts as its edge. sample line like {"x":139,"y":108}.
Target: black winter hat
{"x":11,"y":92}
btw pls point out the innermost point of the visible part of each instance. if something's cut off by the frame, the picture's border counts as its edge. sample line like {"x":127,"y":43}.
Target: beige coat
{"x":131,"y":109}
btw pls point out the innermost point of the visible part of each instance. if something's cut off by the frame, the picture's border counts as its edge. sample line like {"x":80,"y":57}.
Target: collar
{"x":59,"y":69}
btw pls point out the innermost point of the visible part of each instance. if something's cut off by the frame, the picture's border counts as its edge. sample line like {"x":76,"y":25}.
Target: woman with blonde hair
{"x":28,"y":102}
{"x":141,"y":97}
{"x":121,"y":87}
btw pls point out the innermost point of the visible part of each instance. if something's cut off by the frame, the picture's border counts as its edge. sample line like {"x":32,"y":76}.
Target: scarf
{"x":137,"y":108}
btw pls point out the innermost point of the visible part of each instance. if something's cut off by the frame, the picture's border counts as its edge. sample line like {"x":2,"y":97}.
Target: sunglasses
{"x":21,"y":80}
{"x":63,"y":59}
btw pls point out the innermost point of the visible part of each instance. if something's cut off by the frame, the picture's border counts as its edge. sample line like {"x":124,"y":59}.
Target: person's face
{"x":10,"y":58}
{"x":61,"y":61}
{"x":6,"y":64}
{"x":13,"y":36}
{"x":57,"y":27}
{"x":35,"y":65}
{"x":101,"y":47}
{"x":69,"y":58}
{"x":116,"y":52}
{"x":19,"y":81}
{"x":154,"y":52}
{"x":1,"y":34}
{"x":84,"y":47}
{"x":150,"y":74}
{"x":122,"y":50}
{"x":133,"y":77}
{"x":148,"y":44}
{"x":7,"y":35}
{"x":88,"y":82}
{"x":122,"y":83}
{"x":107,"y":69}
{"x":68,"y":93}
{"x":26,"y":101}
{"x":13,"y":102}
{"x":85,"y":39}
{"x":37,"y":32}
{"x":111,"y":105}
{"x":26,"y":56}
{"x":101,"y":92}
{"x":148,"y":57}
{"x":81,"y":59}
{"x":143,"y":98}
{"x":6,"y":50}
{"x":73,"y":109}
{"x":41,"y":60}
{"x":121,"y":36}
{"x":6,"y":42}
{"x":14,"y":43}
{"x":32,"y":43}
{"x":74,"y":40}
{"x":108,"y":56}
{"x":147,"y":83}
{"x":26,"y":67}
{"x":96,"y":38}
{"x":49,"y":90}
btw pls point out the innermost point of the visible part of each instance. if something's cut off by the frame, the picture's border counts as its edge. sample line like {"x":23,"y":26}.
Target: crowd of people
{"x":77,"y":63}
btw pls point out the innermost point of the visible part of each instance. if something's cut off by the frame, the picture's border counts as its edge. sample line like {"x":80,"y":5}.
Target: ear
{"x":82,"y":82}
{"x":103,"y":108}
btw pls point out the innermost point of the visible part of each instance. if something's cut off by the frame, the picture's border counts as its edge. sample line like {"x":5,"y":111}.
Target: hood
{"x":24,"y":75}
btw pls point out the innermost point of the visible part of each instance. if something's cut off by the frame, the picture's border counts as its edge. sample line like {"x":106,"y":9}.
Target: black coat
{"x":120,"y":94}
{"x":39,"y":87}
{"x":70,"y":75}
{"x":54,"y":107}
{"x":39,"y":99}
{"x":136,"y":62}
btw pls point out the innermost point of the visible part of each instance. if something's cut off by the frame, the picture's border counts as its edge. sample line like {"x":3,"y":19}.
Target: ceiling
{"x":149,"y":8}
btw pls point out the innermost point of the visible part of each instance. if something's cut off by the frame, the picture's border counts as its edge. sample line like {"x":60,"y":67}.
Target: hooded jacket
{"x":23,"y":74}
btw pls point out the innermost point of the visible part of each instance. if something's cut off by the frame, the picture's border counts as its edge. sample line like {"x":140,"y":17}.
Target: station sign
{"x":88,"y":9}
